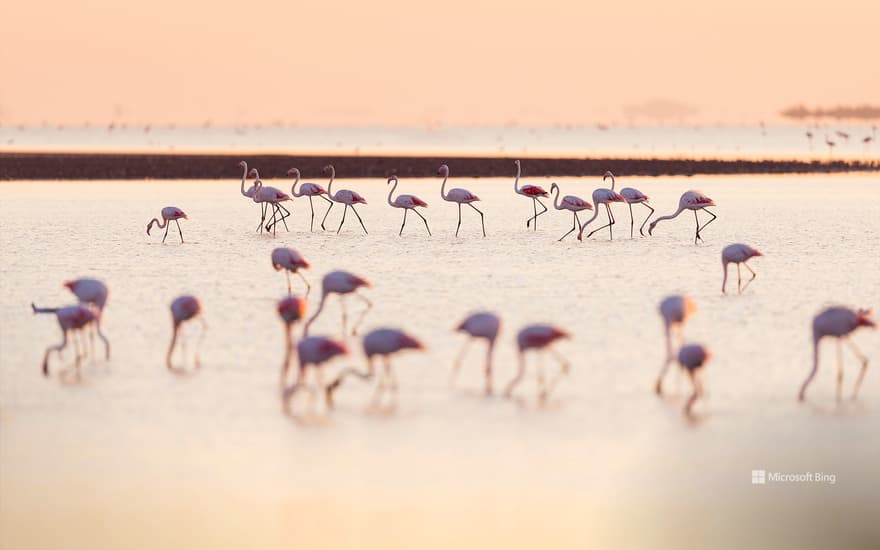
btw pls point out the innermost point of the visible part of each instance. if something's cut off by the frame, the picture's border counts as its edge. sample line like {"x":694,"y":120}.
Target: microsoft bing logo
{"x":759,"y":477}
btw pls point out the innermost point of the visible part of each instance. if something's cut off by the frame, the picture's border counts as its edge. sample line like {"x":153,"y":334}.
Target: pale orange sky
{"x":401,"y":62}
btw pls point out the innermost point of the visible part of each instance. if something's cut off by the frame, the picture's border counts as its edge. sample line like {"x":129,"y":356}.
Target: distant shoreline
{"x":139,"y":166}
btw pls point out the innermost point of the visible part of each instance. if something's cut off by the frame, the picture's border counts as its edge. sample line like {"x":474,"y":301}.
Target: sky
{"x":412,"y":63}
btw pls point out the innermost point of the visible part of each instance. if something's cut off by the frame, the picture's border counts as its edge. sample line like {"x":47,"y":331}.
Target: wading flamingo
{"x":738,"y":254}
{"x":693,"y":357}
{"x":291,"y":310}
{"x":309,"y":190}
{"x":839,"y":322}
{"x":538,"y":338}
{"x":675,"y":311}
{"x":483,"y":325}
{"x":249,"y":192}
{"x":341,"y":283}
{"x":184,"y":308}
{"x":344,"y":196}
{"x":273,"y":196}
{"x":532,"y":192}
{"x":407,"y":202}
{"x":830,"y":145}
{"x":690,"y":200}
{"x":312,"y":351}
{"x":169,"y":214}
{"x":461,"y":196}
{"x":572,"y":204}
{"x":632,"y":196}
{"x":94,"y":292}
{"x":605,"y":197}
{"x":70,"y":319}
{"x":291,"y":261}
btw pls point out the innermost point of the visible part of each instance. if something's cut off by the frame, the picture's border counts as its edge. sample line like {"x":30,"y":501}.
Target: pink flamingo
{"x":690,"y":200}
{"x":249,"y":192}
{"x":693,"y":357}
{"x":844,"y":135}
{"x":675,"y":311}
{"x":605,"y":197}
{"x":539,"y":338}
{"x":308,"y":190}
{"x":483,"y":325}
{"x":633,"y":196}
{"x":70,"y":319}
{"x":738,"y":254}
{"x":94,"y":292}
{"x":530,"y":191}
{"x":342,"y":283}
{"x":184,"y":308}
{"x":839,"y":322}
{"x":407,"y":202}
{"x":169,"y":214}
{"x":572,"y":204}
{"x":459,"y":195}
{"x":273,"y":196}
{"x":291,"y":310}
{"x":313,"y":351}
{"x":347,"y":197}
{"x":291,"y":261}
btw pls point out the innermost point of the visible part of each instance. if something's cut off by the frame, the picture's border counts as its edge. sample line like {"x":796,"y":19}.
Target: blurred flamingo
{"x":693,"y":357}
{"x":675,"y":311}
{"x":690,"y":200}
{"x":169,"y":214}
{"x":184,"y":308}
{"x":309,"y":190}
{"x":291,"y":310}
{"x":94,"y":292}
{"x":532,"y":192}
{"x":71,"y":319}
{"x":738,"y":254}
{"x":605,"y":197}
{"x":538,"y":338}
{"x":341,"y":283}
{"x":483,"y":325}
{"x":313,"y":351}
{"x":407,"y":202}
{"x":291,"y":261}
{"x":460,"y":196}
{"x":572,"y":204}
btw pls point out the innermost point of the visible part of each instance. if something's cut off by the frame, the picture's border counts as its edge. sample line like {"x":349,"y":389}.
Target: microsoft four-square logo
{"x":759,"y":477}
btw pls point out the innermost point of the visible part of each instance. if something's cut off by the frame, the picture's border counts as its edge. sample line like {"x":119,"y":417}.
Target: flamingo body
{"x":693,"y":357}
{"x":537,"y":337}
{"x":387,"y":341}
{"x":169,"y":214}
{"x":481,"y":325}
{"x":460,"y":196}
{"x":92,"y":291}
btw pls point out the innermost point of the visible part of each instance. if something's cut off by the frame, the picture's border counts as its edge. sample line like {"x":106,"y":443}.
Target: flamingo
{"x":169,"y":214}
{"x":291,"y":310}
{"x":484,"y":325}
{"x":839,"y":322}
{"x":809,"y":135}
{"x":184,"y":308}
{"x":675,"y":311}
{"x":461,"y":196}
{"x":342,"y":283}
{"x":530,"y":191}
{"x":291,"y":261}
{"x":273,"y":196}
{"x":738,"y":254}
{"x":70,"y":319}
{"x":94,"y":292}
{"x":830,"y":145}
{"x":407,"y":202}
{"x":693,"y":357}
{"x":572,"y":204}
{"x":603,"y":196}
{"x":538,"y":337}
{"x":249,"y":192}
{"x":632,"y":196}
{"x":344,"y":196}
{"x":690,"y":200}
{"x":313,"y":351}
{"x":844,"y":135}
{"x":309,"y":190}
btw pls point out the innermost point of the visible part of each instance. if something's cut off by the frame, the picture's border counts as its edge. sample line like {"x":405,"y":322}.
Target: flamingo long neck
{"x":243,"y":178}
{"x":516,"y":180}
{"x":258,"y":184}
{"x":670,"y":216}
{"x":555,"y":188}
{"x":332,"y":177}
{"x":612,"y":180}
{"x":44,"y":309}
{"x":393,"y":187}
{"x":293,"y":187}
{"x":159,"y":225}
{"x":443,"y":194}
{"x":668,"y":327}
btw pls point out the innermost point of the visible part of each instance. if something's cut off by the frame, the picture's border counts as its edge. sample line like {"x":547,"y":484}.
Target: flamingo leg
{"x":362,"y":221}
{"x":753,"y":276}
{"x":482,"y":222}
{"x":308,"y":286}
{"x":329,"y":208}
{"x":312,"y":208}
{"x":315,"y":316}
{"x":103,"y":338}
{"x":457,"y":227}
{"x":171,"y":347}
{"x":701,"y":227}
{"x":424,"y":220}
{"x":738,"y":279}
{"x":488,"y":371}
{"x":631,"y":221}
{"x":648,"y":217}
{"x":564,"y":367}
{"x":573,"y":227}
{"x":288,"y":348}
{"x":333,"y":386}
{"x":50,"y":349}
{"x":541,"y":381}
{"x":344,"y":210}
{"x":201,"y":339}
{"x":404,"y":222}
{"x":521,"y":371}
{"x":179,"y":230}
{"x":366,"y":310}
{"x":456,"y":364}
{"x":698,"y":391}
{"x":283,"y":217}
{"x":812,"y":374}
{"x":863,"y":359}
{"x":608,"y":225}
{"x":287,"y":274}
{"x":262,"y":217}
{"x":167,"y":226}
{"x":344,"y":315}
{"x":839,"y":392}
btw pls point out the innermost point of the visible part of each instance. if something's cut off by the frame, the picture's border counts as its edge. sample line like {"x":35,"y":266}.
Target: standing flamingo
{"x":690,"y":200}
{"x":478,"y":325}
{"x":272,"y":196}
{"x":169,"y":214}
{"x":572,"y":204}
{"x":839,"y":322}
{"x":530,"y":191}
{"x":461,"y":196}
{"x":291,"y":261}
{"x":738,"y":254}
{"x":605,"y":197}
{"x":249,"y":193}
{"x":313,"y":351}
{"x":693,"y":357}
{"x":830,"y":145}
{"x":538,"y":337}
{"x":675,"y":311}
{"x":184,"y":308}
{"x":407,"y":202}
{"x":70,"y":319}
{"x":809,"y":135}
{"x":291,"y":310}
{"x":345,"y":196}
{"x":342,"y":283}
{"x":92,"y":291}
{"x":308,"y":190}
{"x":632,"y":196}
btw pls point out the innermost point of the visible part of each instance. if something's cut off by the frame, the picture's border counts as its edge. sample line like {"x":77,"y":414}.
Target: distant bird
{"x":291,"y":310}
{"x":291,"y":261}
{"x":274,"y":197}
{"x":94,"y":292}
{"x":843,"y":135}
{"x":71,"y":319}
{"x":309,"y":190}
{"x":347,"y":197}
{"x":313,"y":351}
{"x":675,"y":311}
{"x":605,"y":197}
{"x":183,"y":309}
{"x":693,"y":357}
{"x":407,"y":202}
{"x":830,"y":145}
{"x":342,"y":283}
{"x":867,"y":141}
{"x":839,"y":322}
{"x":572,"y":204}
{"x":538,"y":337}
{"x":461,"y":196}
{"x":532,"y":192}
{"x":169,"y":214}
{"x":738,"y":254}
{"x":483,"y":325}
{"x":633,"y":196}
{"x":690,"y":200}
{"x":810,"y":139}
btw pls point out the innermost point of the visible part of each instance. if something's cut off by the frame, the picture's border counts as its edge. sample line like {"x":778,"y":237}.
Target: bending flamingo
{"x":291,"y":310}
{"x":483,"y":325}
{"x":633,"y":196}
{"x":605,"y":197}
{"x":94,"y":292}
{"x":538,"y":338}
{"x":345,"y":196}
{"x":690,"y":200}
{"x":407,"y":202}
{"x":183,"y":309}
{"x":313,"y":351}
{"x":738,"y":254}
{"x":70,"y":319}
{"x":291,"y":261}
{"x":169,"y":214}
{"x":693,"y":357}
{"x":839,"y":322}
{"x":572,"y":204}
{"x":459,"y":195}
{"x":273,"y":196}
{"x":530,"y":191}
{"x":309,"y":190}
{"x":674,"y":310}
{"x":341,"y":283}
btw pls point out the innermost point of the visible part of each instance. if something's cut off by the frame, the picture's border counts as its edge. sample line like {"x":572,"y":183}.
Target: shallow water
{"x":133,"y":456}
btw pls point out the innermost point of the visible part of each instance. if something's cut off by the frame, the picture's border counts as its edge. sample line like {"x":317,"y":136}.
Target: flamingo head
{"x":392,"y":178}
{"x":293,"y":171}
{"x":651,"y":228}
{"x":71,"y":285}
{"x":253,"y":173}
{"x":443,"y":170}
{"x":292,"y":308}
{"x":327,"y":169}
{"x":863,"y":317}
{"x":607,"y":174}
{"x":242,"y":164}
